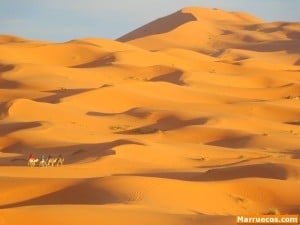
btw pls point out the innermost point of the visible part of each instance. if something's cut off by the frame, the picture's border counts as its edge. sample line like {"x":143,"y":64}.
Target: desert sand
{"x":191,"y":119}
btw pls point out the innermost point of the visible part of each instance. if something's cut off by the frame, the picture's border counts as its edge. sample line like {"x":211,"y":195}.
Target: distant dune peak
{"x":161,"y":25}
{"x":10,"y":38}
{"x":184,"y":16}
{"x":209,"y":31}
{"x":219,"y":14}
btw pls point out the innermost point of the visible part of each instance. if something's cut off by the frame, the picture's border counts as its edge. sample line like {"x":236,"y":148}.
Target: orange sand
{"x":191,"y":119}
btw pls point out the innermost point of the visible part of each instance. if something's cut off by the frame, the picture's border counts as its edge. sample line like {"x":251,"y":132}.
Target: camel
{"x":32,"y":162}
{"x":43,"y":163}
{"x":52,"y":161}
{"x":60,"y":161}
{"x":57,"y":161}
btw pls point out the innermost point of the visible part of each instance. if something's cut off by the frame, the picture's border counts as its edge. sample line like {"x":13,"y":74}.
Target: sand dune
{"x":6,"y":39}
{"x":198,"y":107}
{"x":212,"y":31}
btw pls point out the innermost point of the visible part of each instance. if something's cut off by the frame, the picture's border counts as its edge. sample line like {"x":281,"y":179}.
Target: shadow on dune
{"x":233,"y":163}
{"x":236,"y":142}
{"x":86,"y":192}
{"x":101,"y":114}
{"x":104,"y":61}
{"x":267,"y":27}
{"x":295,"y":35}
{"x":7,"y":84}
{"x":165,"y":124}
{"x":173,"y":77}
{"x":135,"y":112}
{"x":3,"y":109}
{"x":282,"y":27}
{"x":295,"y":154}
{"x":159,"y":26}
{"x":5,"y":68}
{"x":290,"y":46}
{"x":61,"y":93}
{"x":72,"y":153}
{"x":267,"y":170}
{"x":293,"y":123}
{"x":13,"y":127}
{"x":227,"y":32}
{"x":138,"y":112}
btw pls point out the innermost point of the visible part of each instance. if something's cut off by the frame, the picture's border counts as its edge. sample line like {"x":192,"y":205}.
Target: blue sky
{"x":62,"y":20}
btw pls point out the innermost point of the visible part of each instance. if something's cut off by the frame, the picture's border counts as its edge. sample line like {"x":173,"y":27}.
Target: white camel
{"x":60,"y":161}
{"x":57,"y":161}
{"x":32,"y":162}
{"x":43,"y":163}
{"x":52,"y":161}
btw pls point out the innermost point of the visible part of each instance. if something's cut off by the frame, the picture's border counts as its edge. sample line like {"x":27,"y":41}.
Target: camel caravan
{"x":42,"y":162}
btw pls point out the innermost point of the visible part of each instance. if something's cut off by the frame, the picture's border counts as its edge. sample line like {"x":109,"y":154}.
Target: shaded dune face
{"x":11,"y":39}
{"x":5,"y":68}
{"x":160,"y":26}
{"x":106,"y":60}
{"x":198,"y":107}
{"x":12,"y":127}
{"x":93,"y":195}
{"x":4,"y":83}
{"x":173,"y":77}
{"x":165,"y":124}
{"x":59,"y":94}
{"x":269,"y":171}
